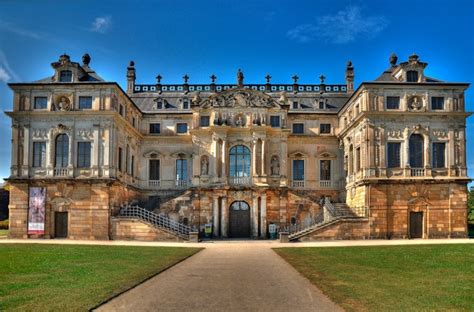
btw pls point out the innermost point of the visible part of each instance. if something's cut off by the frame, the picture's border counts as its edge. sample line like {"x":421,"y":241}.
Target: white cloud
{"x":14,"y":29}
{"x":345,"y":26}
{"x":4,"y":76}
{"x":6,"y":73}
{"x":101,"y":24}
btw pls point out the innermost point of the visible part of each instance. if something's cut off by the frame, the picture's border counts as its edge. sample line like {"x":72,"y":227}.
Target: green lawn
{"x":3,"y":232}
{"x":37,"y":277}
{"x":390,"y":278}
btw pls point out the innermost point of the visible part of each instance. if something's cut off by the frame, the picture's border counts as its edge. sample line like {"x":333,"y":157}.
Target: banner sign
{"x":36,"y":210}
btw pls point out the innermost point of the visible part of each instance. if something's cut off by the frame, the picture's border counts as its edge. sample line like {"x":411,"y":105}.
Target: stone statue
{"x":275,"y":166}
{"x":196,"y":99}
{"x":204,"y":166}
{"x":240,"y":78}
{"x":416,"y":104}
{"x":283,"y":99}
{"x":239,"y":122}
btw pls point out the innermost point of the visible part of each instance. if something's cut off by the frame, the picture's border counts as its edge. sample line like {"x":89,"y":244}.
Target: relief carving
{"x":40,"y":133}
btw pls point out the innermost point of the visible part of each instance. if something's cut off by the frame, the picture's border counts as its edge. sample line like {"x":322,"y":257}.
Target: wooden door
{"x":60,"y":224}
{"x":416,"y":224}
{"x":239,"y":220}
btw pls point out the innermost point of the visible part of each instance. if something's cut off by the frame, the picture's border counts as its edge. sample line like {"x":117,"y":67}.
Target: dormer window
{"x":65,"y":76}
{"x":412,"y":76}
{"x":321,"y":104}
{"x":159,"y":104}
{"x":185,"y":104}
{"x":296,"y":105}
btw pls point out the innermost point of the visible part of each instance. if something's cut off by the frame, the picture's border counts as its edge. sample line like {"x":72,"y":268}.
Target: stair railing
{"x":158,"y":221}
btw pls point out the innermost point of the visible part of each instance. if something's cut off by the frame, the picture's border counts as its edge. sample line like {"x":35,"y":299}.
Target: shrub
{"x":4,"y":225}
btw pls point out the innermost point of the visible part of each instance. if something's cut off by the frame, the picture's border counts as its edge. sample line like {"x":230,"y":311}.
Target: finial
{"x":213,"y":78}
{"x":131,"y":64}
{"x":86,"y":59}
{"x":158,"y":79}
{"x":349,"y":64}
{"x":64,"y":58}
{"x":268,"y":77}
{"x":186,"y":78}
{"x":240,"y":78}
{"x":295,"y":78}
{"x":413,"y":57}
{"x":393,"y":59}
{"x":321,"y":78}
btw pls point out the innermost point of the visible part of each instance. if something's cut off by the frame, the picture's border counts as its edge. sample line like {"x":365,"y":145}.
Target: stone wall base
{"x":133,"y":229}
{"x":342,"y":229}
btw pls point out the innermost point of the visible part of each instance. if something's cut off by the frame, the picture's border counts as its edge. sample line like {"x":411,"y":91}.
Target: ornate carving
{"x":240,"y":120}
{"x":415,"y":103}
{"x":239,"y":98}
{"x":40,"y":133}
{"x":85,"y":133}
{"x":395,"y":133}
{"x":204,"y":165}
{"x":440,"y":133}
{"x":275,"y":166}
{"x":63,"y":104}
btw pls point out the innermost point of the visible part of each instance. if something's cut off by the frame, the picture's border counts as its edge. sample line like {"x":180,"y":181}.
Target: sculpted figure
{"x":275,"y":166}
{"x":204,"y":166}
{"x":63,"y":104}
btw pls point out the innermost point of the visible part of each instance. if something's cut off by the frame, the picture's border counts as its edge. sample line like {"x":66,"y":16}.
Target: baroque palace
{"x":177,"y":161}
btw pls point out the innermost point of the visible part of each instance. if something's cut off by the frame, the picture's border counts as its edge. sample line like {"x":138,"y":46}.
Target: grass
{"x":3,"y":232}
{"x":38,"y":277}
{"x":390,"y":278}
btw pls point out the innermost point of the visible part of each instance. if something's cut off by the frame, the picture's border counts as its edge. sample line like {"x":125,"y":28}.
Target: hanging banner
{"x":36,"y":210}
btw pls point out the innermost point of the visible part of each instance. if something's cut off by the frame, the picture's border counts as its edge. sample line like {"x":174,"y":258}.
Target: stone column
{"x":14,"y":151}
{"x":284,"y":160}
{"x":107,"y":152}
{"x":254,"y":157}
{"x":426,"y":150}
{"x":26,"y":150}
{"x":215,"y":215}
{"x":462,"y":142}
{"x":406,"y":150}
{"x":95,"y":150}
{"x":254,"y":216}
{"x":224,"y":217}
{"x":263,"y":216}
{"x":223,"y":156}
{"x":215,"y":146}
{"x":263,"y":158}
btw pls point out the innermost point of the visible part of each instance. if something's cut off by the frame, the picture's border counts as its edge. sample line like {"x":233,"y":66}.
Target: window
{"x":275,"y":121}
{"x":132,"y":166}
{"x":393,"y":155}
{"x":154,"y":169}
{"x":325,"y":128}
{"x":185,"y":104}
{"x":438,"y":155}
{"x":83,"y":154}
{"x":295,"y":105}
{"x":412,"y":76}
{"x":325,"y":170}
{"x":133,"y":122}
{"x":85,"y":102}
{"x":62,"y":151}
{"x":298,"y":170}
{"x":120,"y":158}
{"x":321,"y":104}
{"x":181,"y":169}
{"x":239,"y":161}
{"x":65,"y":76}
{"x":41,"y":102}
{"x":416,"y":151}
{"x":357,"y":160}
{"x":181,"y":128}
{"x":159,"y":104}
{"x":204,"y":121}
{"x":298,"y":128}
{"x":127,"y":159}
{"x":437,"y":102}
{"x":155,"y":128}
{"x":393,"y":102}
{"x":39,"y":154}
{"x":121,"y":110}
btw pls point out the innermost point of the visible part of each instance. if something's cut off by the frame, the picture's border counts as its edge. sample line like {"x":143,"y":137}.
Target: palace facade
{"x":166,"y":161}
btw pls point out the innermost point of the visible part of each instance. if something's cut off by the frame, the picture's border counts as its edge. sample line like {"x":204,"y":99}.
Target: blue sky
{"x":199,"y":38}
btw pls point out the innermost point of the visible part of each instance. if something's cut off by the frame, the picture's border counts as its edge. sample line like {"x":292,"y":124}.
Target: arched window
{"x":62,"y":151}
{"x":239,"y":161}
{"x":416,"y":151}
{"x":412,"y":76}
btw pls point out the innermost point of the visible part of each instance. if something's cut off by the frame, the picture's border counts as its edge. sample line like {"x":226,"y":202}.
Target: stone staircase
{"x":330,"y":214}
{"x":157,"y":221}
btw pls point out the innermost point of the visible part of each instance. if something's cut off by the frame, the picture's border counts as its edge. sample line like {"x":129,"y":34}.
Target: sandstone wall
{"x":342,"y":229}
{"x":132,"y":229}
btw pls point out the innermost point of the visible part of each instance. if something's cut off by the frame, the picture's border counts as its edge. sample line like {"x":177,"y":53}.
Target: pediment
{"x":326,"y":155}
{"x":298,"y":154}
{"x":239,"y":98}
{"x":152,"y":154}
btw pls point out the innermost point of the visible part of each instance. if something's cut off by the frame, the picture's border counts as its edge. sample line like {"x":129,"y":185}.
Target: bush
{"x":4,"y":225}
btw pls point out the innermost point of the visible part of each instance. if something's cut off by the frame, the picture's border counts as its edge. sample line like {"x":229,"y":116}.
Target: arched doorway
{"x":239,"y":219}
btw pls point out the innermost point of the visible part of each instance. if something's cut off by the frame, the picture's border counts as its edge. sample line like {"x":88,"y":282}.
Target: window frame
{"x":61,"y":75}
{"x":409,"y":78}
{"x":321,"y":169}
{"x":433,"y":98}
{"x":157,"y":167}
{"x":178,"y":124}
{"x":40,"y":97}
{"x":84,"y":159}
{"x":240,"y":161}
{"x":387,"y":102}
{"x":293,"y":171}
{"x":399,"y":154}
{"x":206,"y":117}
{"x":83,"y":97}
{"x":152,"y":125}
{"x":321,"y":125}
{"x":180,"y":176}
{"x":41,"y":156}
{"x":434,"y":163}
{"x":293,"y":127}
{"x":62,"y":153}
{"x":275,"y":117}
